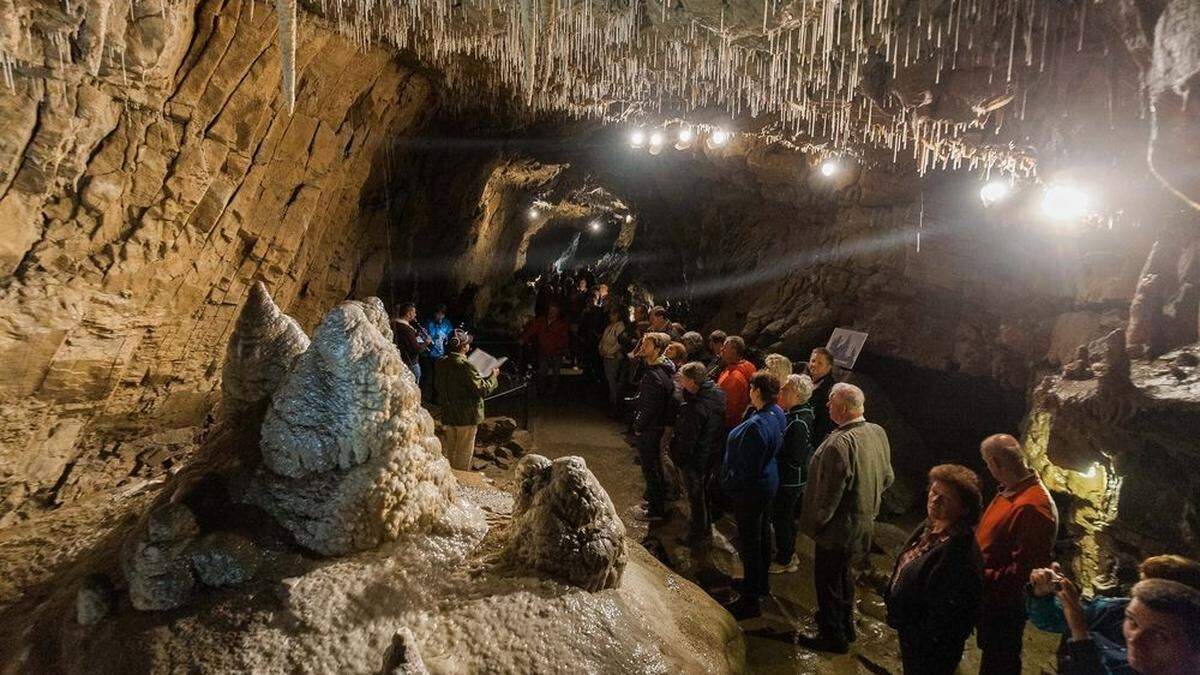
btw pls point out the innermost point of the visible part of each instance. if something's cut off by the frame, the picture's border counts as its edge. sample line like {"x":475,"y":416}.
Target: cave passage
{"x":256,"y":260}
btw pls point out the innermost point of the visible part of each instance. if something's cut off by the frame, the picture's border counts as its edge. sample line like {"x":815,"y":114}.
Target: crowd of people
{"x":786,"y":448}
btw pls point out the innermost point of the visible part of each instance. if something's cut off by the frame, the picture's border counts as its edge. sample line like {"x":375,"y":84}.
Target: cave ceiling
{"x":981,"y":84}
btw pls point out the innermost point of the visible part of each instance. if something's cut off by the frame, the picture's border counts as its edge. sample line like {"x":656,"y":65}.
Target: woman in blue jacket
{"x":750,"y":478}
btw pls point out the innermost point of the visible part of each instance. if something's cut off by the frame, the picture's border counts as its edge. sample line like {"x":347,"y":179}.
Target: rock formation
{"x":263,"y":347}
{"x":349,"y":455}
{"x":565,"y":525}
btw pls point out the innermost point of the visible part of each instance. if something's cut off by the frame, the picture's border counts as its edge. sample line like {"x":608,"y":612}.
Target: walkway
{"x":574,"y":423}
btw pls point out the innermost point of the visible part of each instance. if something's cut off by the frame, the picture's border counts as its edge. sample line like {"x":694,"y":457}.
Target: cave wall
{"x":147,"y":176}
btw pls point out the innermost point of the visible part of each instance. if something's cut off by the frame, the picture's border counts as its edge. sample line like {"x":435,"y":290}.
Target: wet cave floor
{"x":575,"y":423}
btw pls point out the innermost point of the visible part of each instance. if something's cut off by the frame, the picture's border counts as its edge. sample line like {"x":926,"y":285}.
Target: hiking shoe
{"x":791,"y":566}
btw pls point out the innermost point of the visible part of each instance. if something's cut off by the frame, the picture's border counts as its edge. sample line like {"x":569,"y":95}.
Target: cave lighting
{"x":1064,"y":202}
{"x":629,"y":218}
{"x":1091,"y":472}
{"x":684,"y":138}
{"x":533,"y":213}
{"x":718,"y":138}
{"x":656,"y":142}
{"x":637,"y":138}
{"x":994,"y":191}
{"x":595,"y":226}
{"x":829,"y":167}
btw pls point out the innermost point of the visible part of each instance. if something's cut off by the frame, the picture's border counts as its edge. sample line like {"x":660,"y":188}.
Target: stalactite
{"x":285,"y":14}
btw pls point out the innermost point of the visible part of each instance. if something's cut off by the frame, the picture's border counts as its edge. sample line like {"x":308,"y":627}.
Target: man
{"x":1161,"y":630}
{"x":847,"y":477}
{"x":716,"y":340}
{"x":697,"y":443}
{"x":794,"y":398}
{"x":652,"y":416}
{"x":437,"y":331}
{"x":407,"y":339}
{"x":552,"y":336}
{"x":661,"y":323}
{"x":820,"y":369}
{"x":734,"y":380}
{"x":1016,"y":536}
{"x":462,"y":390}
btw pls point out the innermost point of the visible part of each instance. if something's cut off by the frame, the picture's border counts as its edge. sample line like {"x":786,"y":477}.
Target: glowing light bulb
{"x":718,"y":138}
{"x":1064,"y":202}
{"x":829,"y":167}
{"x":1091,"y":472}
{"x":994,"y":191}
{"x":596,"y":226}
{"x":637,"y":138}
{"x":533,"y":213}
{"x":684,"y":138}
{"x":656,"y":142}
{"x":629,"y":218}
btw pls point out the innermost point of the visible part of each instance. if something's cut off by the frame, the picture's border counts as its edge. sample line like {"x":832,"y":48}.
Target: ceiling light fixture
{"x":829,"y":167}
{"x":994,"y":191}
{"x":1064,"y":202}
{"x":718,"y":138}
{"x":637,"y":138}
{"x":684,"y":138}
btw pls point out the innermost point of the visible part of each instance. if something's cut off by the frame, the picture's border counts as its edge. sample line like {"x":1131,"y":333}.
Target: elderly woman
{"x":749,"y":477}
{"x":937,"y":583}
{"x":793,"y":468}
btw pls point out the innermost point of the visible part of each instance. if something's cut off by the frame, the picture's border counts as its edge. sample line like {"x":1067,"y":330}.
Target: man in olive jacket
{"x":846,"y":480}
{"x":461,"y":390}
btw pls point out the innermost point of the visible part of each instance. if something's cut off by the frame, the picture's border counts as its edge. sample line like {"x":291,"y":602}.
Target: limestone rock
{"x":170,"y":522}
{"x":1081,"y":367}
{"x":565,"y":525}
{"x":94,"y":599}
{"x":520,"y":444}
{"x":350,"y":459}
{"x":264,"y":345}
{"x":404,"y":657}
{"x":156,"y":567}
{"x":224,"y":559}
{"x":495,"y":430}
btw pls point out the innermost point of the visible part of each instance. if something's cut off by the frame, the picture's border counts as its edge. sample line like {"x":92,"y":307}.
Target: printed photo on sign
{"x":845,"y":345}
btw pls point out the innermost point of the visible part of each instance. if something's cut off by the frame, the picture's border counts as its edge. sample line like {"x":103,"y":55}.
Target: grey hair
{"x":780,"y":366}
{"x":695,"y":371}
{"x":801,"y":384}
{"x":853,"y":397}
{"x":693,"y":341}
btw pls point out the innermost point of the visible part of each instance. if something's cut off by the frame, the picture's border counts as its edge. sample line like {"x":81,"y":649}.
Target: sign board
{"x":845,"y":345}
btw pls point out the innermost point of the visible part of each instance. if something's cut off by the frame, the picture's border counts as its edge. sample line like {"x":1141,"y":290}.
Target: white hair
{"x":850,"y":396}
{"x":802,"y":385}
{"x":780,"y":366}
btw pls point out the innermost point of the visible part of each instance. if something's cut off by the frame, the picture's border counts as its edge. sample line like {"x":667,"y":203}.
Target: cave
{"x":213,"y":456}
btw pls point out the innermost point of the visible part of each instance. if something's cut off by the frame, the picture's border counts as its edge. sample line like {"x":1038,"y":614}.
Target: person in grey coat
{"x":846,"y":479}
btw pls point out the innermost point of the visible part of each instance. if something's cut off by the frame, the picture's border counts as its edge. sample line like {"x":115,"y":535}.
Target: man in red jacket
{"x":1016,"y":536}
{"x":734,"y":380}
{"x":552,"y":335}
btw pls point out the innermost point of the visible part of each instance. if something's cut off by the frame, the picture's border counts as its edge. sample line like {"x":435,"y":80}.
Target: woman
{"x":677,"y":354}
{"x":936,"y":585}
{"x":614,"y":342}
{"x":793,"y":469}
{"x":750,"y":477}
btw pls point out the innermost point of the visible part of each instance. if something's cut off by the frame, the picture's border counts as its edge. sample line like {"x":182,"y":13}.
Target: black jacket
{"x":654,"y":397}
{"x":797,"y":446}
{"x":937,"y":595}
{"x":700,"y":428}
{"x":822,"y":424}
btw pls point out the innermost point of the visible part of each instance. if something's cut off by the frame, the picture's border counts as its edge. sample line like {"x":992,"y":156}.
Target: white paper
{"x":484,"y":362}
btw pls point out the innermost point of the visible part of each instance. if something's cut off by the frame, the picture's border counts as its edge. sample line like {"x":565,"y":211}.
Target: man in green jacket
{"x":461,"y":389}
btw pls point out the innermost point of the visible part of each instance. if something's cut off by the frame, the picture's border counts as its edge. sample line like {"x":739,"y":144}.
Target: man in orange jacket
{"x":1016,"y":536}
{"x":734,"y":380}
